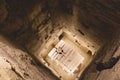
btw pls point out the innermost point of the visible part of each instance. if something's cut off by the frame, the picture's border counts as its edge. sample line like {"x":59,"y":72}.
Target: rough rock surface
{"x":16,"y":64}
{"x":29,"y":23}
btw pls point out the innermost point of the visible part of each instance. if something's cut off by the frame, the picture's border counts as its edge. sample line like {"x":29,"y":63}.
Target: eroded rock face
{"x":30,"y":24}
{"x":27,"y":18}
{"x":18,"y":65}
{"x":100,"y":14}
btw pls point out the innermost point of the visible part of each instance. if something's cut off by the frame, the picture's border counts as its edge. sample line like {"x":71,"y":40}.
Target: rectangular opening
{"x":65,"y":56}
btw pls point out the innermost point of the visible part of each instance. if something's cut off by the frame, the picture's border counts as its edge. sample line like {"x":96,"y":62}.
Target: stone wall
{"x":29,"y":24}
{"x":16,"y":64}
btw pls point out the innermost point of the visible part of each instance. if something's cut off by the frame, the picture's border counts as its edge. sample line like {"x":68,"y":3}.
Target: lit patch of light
{"x":65,"y":55}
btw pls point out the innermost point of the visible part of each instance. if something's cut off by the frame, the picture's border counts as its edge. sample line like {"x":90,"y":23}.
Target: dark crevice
{"x":81,"y":32}
{"x":13,"y":69}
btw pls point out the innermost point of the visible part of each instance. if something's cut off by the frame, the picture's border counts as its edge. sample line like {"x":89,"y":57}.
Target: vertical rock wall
{"x":16,"y":64}
{"x":30,"y":23}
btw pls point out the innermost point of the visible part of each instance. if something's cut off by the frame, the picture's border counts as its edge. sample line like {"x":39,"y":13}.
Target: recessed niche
{"x":66,"y":56}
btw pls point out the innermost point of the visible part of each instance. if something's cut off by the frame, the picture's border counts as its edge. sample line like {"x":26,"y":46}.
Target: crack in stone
{"x":14,"y":70}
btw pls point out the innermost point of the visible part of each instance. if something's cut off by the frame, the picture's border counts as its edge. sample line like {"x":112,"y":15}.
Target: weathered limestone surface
{"x":29,"y":23}
{"x":112,"y":74}
{"x":102,"y":15}
{"x":16,"y":64}
{"x":109,"y":50}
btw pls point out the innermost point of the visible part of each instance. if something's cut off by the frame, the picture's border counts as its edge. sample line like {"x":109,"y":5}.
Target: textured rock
{"x":29,"y":24}
{"x":18,"y":65}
